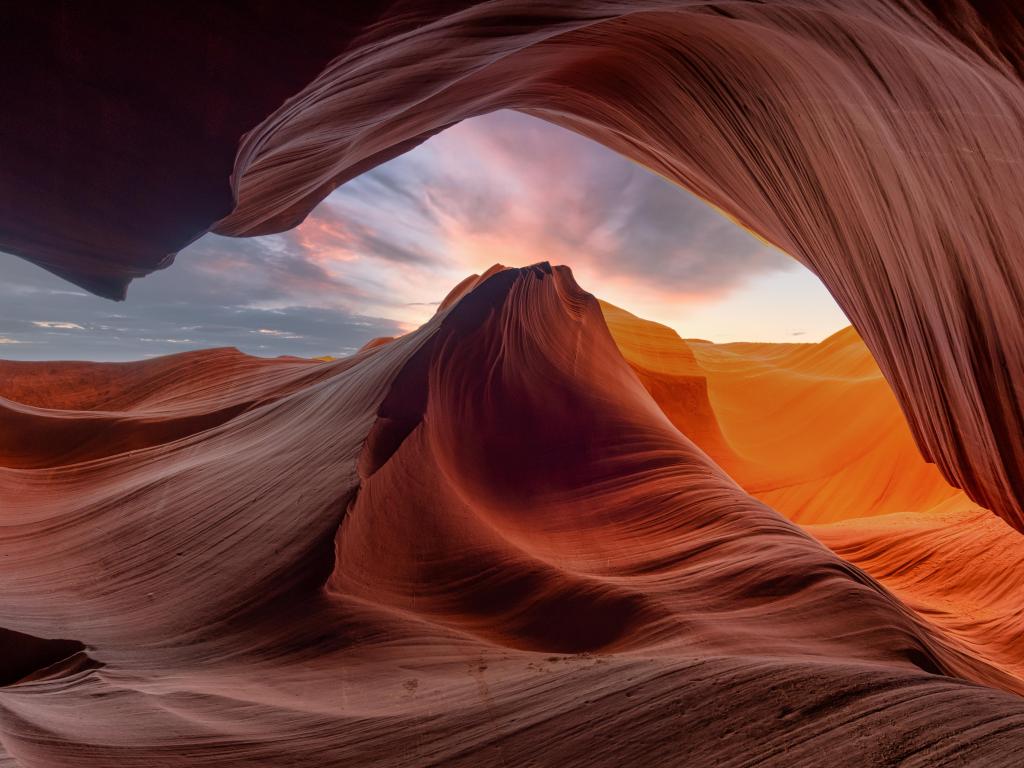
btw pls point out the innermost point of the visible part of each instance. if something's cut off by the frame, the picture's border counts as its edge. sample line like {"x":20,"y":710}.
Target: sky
{"x":376,"y":257}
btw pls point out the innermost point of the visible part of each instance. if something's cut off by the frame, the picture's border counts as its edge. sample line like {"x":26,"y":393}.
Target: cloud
{"x":510,"y":188}
{"x":376,"y":257}
{"x":196,"y":304}
{"x":59,"y":325}
{"x":595,"y":209}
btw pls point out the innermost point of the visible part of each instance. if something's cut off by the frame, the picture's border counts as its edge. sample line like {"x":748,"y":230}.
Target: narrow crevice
{"x":23,"y":656}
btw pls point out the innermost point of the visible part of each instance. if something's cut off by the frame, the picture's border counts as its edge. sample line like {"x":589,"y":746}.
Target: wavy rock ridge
{"x":481,"y":543}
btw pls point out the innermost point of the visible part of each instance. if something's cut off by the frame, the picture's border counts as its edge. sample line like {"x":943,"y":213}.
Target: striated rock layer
{"x":482,"y":543}
{"x":813,"y":431}
{"x":877,"y":141}
{"x":821,"y":436}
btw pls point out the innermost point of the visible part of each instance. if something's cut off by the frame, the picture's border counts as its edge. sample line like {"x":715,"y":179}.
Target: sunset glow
{"x":378,"y":254}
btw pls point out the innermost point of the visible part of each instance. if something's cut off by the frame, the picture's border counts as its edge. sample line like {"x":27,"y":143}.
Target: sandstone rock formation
{"x":481,"y":543}
{"x":877,"y":141}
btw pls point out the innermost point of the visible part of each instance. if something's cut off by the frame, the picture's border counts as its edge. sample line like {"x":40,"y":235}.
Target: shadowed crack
{"x":22,"y":655}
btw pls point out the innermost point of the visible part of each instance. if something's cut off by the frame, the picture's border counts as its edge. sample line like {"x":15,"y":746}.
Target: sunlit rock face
{"x":876,"y":141}
{"x":813,"y":431}
{"x":483,"y":542}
